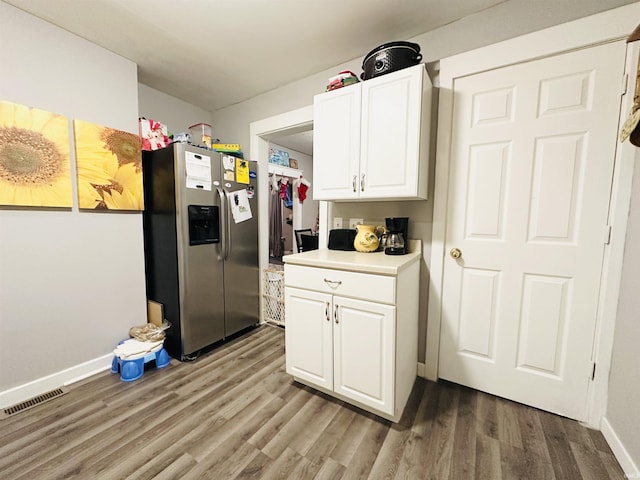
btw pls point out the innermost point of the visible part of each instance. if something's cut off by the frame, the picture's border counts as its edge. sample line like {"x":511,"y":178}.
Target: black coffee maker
{"x":397,"y":240}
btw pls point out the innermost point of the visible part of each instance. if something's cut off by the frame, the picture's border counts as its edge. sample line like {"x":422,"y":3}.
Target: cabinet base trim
{"x":387,"y":416}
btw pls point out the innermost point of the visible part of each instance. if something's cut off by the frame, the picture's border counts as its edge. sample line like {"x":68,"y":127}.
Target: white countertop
{"x":376,"y":262}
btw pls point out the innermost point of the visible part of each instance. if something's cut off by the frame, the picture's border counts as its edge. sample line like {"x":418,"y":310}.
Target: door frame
{"x":610,"y":26}
{"x":260,"y":133}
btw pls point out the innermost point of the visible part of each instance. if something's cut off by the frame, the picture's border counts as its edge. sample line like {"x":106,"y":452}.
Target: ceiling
{"x":215,"y":53}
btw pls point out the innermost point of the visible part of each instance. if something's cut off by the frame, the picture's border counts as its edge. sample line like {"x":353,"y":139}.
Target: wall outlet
{"x":354,"y":222}
{"x":337,"y":222}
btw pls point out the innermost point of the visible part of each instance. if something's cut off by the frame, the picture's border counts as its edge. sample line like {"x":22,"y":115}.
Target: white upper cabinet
{"x":336,"y":143}
{"x":371,"y":139}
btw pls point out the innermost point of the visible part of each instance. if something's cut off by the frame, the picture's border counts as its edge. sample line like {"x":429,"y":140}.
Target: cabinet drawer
{"x":377,"y":288}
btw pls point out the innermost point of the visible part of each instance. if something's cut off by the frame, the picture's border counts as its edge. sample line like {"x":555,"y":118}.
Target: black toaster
{"x":341,"y":239}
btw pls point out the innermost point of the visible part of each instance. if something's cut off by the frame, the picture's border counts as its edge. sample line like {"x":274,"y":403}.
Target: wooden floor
{"x":235,"y":413}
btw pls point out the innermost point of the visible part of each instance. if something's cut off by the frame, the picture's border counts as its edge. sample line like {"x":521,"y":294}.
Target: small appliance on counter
{"x":397,"y":230}
{"x":342,"y":239}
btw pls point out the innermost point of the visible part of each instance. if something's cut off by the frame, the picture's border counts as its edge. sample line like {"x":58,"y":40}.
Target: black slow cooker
{"x":390,"y":57}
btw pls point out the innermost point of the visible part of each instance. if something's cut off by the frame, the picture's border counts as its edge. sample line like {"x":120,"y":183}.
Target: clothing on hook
{"x":302,"y":185}
{"x":274,"y":182}
{"x":302,"y":192}
{"x":288,"y":196}
{"x":283,"y":188}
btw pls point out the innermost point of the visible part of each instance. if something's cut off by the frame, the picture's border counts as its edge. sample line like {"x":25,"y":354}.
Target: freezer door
{"x":199,"y":251}
{"x":241,"y":267}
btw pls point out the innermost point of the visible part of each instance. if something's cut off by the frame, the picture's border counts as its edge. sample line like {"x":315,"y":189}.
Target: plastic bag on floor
{"x":149,"y":332}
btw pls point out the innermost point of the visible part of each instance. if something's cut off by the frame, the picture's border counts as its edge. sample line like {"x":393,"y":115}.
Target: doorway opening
{"x":285,"y":201}
{"x":279,"y":130}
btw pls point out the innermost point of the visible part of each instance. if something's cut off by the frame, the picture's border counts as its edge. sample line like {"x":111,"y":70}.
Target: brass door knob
{"x":455,"y":253}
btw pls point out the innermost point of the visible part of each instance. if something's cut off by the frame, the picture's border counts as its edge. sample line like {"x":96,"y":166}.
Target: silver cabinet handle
{"x":362,"y":183}
{"x":326,"y":312}
{"x":331,"y":283}
{"x":335,"y":313}
{"x":354,"y":182}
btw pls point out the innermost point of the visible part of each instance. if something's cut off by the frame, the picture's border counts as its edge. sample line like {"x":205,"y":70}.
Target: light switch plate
{"x":354,"y":222}
{"x":337,"y":222}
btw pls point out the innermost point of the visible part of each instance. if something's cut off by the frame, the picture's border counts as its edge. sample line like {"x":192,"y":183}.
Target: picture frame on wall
{"x":108,"y":168}
{"x":293,"y":163}
{"x":36,"y":166}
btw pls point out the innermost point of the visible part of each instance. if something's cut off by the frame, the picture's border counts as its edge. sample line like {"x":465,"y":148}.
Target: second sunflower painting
{"x":109,"y":168}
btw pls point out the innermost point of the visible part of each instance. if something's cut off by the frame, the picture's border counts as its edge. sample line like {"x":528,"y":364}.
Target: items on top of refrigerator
{"x":153,"y":134}
{"x":229,"y":148}
{"x":226,"y":147}
{"x":201,"y":135}
{"x":182,"y":137}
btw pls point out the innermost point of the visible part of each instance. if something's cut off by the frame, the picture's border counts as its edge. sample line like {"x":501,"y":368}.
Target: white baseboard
{"x":51,"y":382}
{"x":626,"y":462}
{"x":421,"y":369}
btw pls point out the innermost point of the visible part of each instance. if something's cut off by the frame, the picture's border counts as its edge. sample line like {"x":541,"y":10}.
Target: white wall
{"x":623,"y":408}
{"x":71,"y":282}
{"x":176,"y":114}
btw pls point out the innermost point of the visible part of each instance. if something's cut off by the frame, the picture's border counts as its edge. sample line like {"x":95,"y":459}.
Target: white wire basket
{"x":273,"y":296}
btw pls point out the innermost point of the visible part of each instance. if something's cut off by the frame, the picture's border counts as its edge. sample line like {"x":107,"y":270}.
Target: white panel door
{"x":364,"y":352}
{"x":308,"y":336}
{"x":336,"y":143}
{"x":391,"y":111}
{"x":531,"y":167}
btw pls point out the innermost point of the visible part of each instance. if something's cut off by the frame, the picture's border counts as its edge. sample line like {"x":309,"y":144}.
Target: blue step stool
{"x":132,"y":368}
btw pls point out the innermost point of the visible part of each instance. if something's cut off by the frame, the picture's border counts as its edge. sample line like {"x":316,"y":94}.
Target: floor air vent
{"x":32,"y":402}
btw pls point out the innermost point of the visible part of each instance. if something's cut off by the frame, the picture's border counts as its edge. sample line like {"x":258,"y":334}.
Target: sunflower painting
{"x":109,"y":165}
{"x":34,"y":157}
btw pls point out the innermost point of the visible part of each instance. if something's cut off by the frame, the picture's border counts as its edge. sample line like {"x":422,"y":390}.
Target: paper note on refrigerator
{"x":240,"y":208}
{"x":242,"y":171}
{"x":228,"y":162}
{"x":198,"y":169}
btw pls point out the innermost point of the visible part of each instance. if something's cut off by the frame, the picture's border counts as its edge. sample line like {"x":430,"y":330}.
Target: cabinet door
{"x":308,"y":336}
{"x":336,"y":144}
{"x":391,"y":117}
{"x":364,"y":352}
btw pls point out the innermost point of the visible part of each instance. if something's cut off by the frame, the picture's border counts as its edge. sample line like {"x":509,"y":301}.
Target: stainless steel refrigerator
{"x":201,"y":244}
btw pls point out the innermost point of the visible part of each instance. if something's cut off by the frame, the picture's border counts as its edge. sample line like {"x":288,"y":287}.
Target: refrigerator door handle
{"x":223,"y":231}
{"x":227,"y":232}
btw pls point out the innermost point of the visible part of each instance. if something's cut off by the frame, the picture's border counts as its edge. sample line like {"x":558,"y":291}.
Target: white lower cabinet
{"x":309,"y":339}
{"x":348,"y":347}
{"x":343,"y":345}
